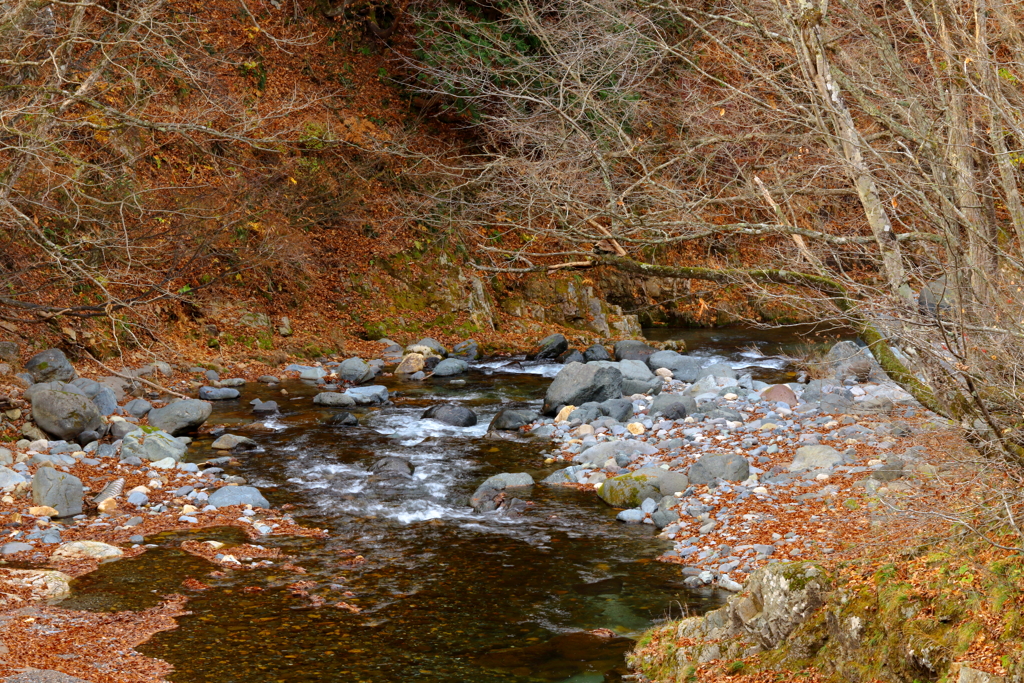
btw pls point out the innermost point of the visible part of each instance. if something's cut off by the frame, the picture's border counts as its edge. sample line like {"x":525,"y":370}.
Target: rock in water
{"x":455,"y":415}
{"x":630,"y":490}
{"x":411,"y":364}
{"x":714,"y":466}
{"x":375,"y":394}
{"x":549,"y":347}
{"x":238,"y":495}
{"x":334,"y":399}
{"x":450,"y":366}
{"x":394,"y":465}
{"x":468,"y":350}
{"x":218,"y":393}
{"x":50,"y":366}
{"x":631,"y":349}
{"x":342,"y":419}
{"x":354,"y":370}
{"x":684,"y":368}
{"x":511,"y":420}
{"x":181,"y":416}
{"x":227,"y":442}
{"x":89,"y":550}
{"x":579,"y":383}
{"x":64,"y":415}
{"x":58,"y":490}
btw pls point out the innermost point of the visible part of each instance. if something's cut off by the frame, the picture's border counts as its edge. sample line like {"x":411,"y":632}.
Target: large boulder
{"x":815,"y":458}
{"x":631,"y":490}
{"x":354,"y":370}
{"x":714,"y":466}
{"x":578,"y":383}
{"x":450,"y":366}
{"x":549,"y":347}
{"x":180,"y":417}
{"x":452,"y":414}
{"x":509,"y":420}
{"x":468,"y":350}
{"x":238,"y":495}
{"x":58,"y":490}
{"x":64,"y":415}
{"x":630,"y":349}
{"x":148,"y":443}
{"x":673,"y":406}
{"x":50,"y":366}
{"x":508,"y":480}
{"x":596,"y":352}
{"x":683,"y":368}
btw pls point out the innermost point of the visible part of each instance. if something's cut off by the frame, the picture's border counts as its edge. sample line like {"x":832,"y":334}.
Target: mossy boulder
{"x":630,"y":490}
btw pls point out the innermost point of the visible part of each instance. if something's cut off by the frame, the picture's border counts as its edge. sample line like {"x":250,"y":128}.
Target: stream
{"x":444,"y":594}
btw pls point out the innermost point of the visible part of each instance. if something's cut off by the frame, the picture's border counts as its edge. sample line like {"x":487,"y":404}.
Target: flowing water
{"x":444,"y":594}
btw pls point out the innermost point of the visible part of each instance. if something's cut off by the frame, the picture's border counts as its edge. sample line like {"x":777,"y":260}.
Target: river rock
{"x":452,"y":414}
{"x":815,"y":458}
{"x":683,"y":368}
{"x":237,"y":495}
{"x":49,"y":366}
{"x":138,"y":407}
{"x":428,"y":347}
{"x":717,"y":370}
{"x":265,"y":407}
{"x":848,"y":359}
{"x":393,"y":464}
{"x":334,"y":399}
{"x":672,"y":482}
{"x":375,"y":394}
{"x":147,"y":443}
{"x":549,"y":347}
{"x":467,"y":350}
{"x":630,"y":490}
{"x":630,"y":349}
{"x":563,"y":476}
{"x":227,"y":442}
{"x":119,"y":429}
{"x":619,"y":409}
{"x":486,"y":499}
{"x":578,"y":383}
{"x":411,"y":364}
{"x":58,"y":490}
{"x":87,"y":550}
{"x":64,"y":415}
{"x":711,"y":467}
{"x":673,"y":406}
{"x":89,"y":387}
{"x":508,"y":480}
{"x":180,"y":417}
{"x":9,"y":478}
{"x":623,"y":451}
{"x":342,"y":419}
{"x":450,"y":366}
{"x":632,"y":516}
{"x":511,"y":420}
{"x":780,"y":393}
{"x":596,"y":352}
{"x":217,"y":393}
{"x":233,"y":382}
{"x":15,"y":547}
{"x":571,"y":356}
{"x":354,"y":370}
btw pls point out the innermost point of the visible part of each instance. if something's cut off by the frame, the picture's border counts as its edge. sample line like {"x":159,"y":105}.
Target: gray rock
{"x":450,"y":366}
{"x":814,"y":458}
{"x":118,"y":430}
{"x":9,"y":478}
{"x":268,"y":379}
{"x":15,"y":547}
{"x":64,"y":415}
{"x":632,"y":516}
{"x":147,"y":443}
{"x":354,"y":370}
{"x":632,"y":386}
{"x":237,"y":495}
{"x":218,"y":393}
{"x":89,"y":387}
{"x":233,"y":382}
{"x":59,"y":490}
{"x":334,"y":399}
{"x":138,"y":499}
{"x":468,"y":350}
{"x":511,"y":420}
{"x":673,"y":482}
{"x":393,"y":464}
{"x":683,"y":368}
{"x":936,"y":298}
{"x":623,"y":452}
{"x":571,"y":356}
{"x":633,"y":350}
{"x":630,"y":490}
{"x":342,"y":419}
{"x":673,"y":406}
{"x":105,"y":401}
{"x":265,"y":407}
{"x":596,"y":352}
{"x":714,"y":466}
{"x":549,"y":347}
{"x":87,"y":437}
{"x":485,"y":499}
{"x":619,"y":409}
{"x":578,"y":383}
{"x":372,"y":395}
{"x":138,"y":407}
{"x":455,"y":415}
{"x":508,"y":480}
{"x":227,"y":442}
{"x":49,"y":366}
{"x":848,"y":359}
{"x":10,"y":351}
{"x":180,"y":417}
{"x":717,"y":370}
{"x":563,"y":476}
{"x":433,"y":346}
